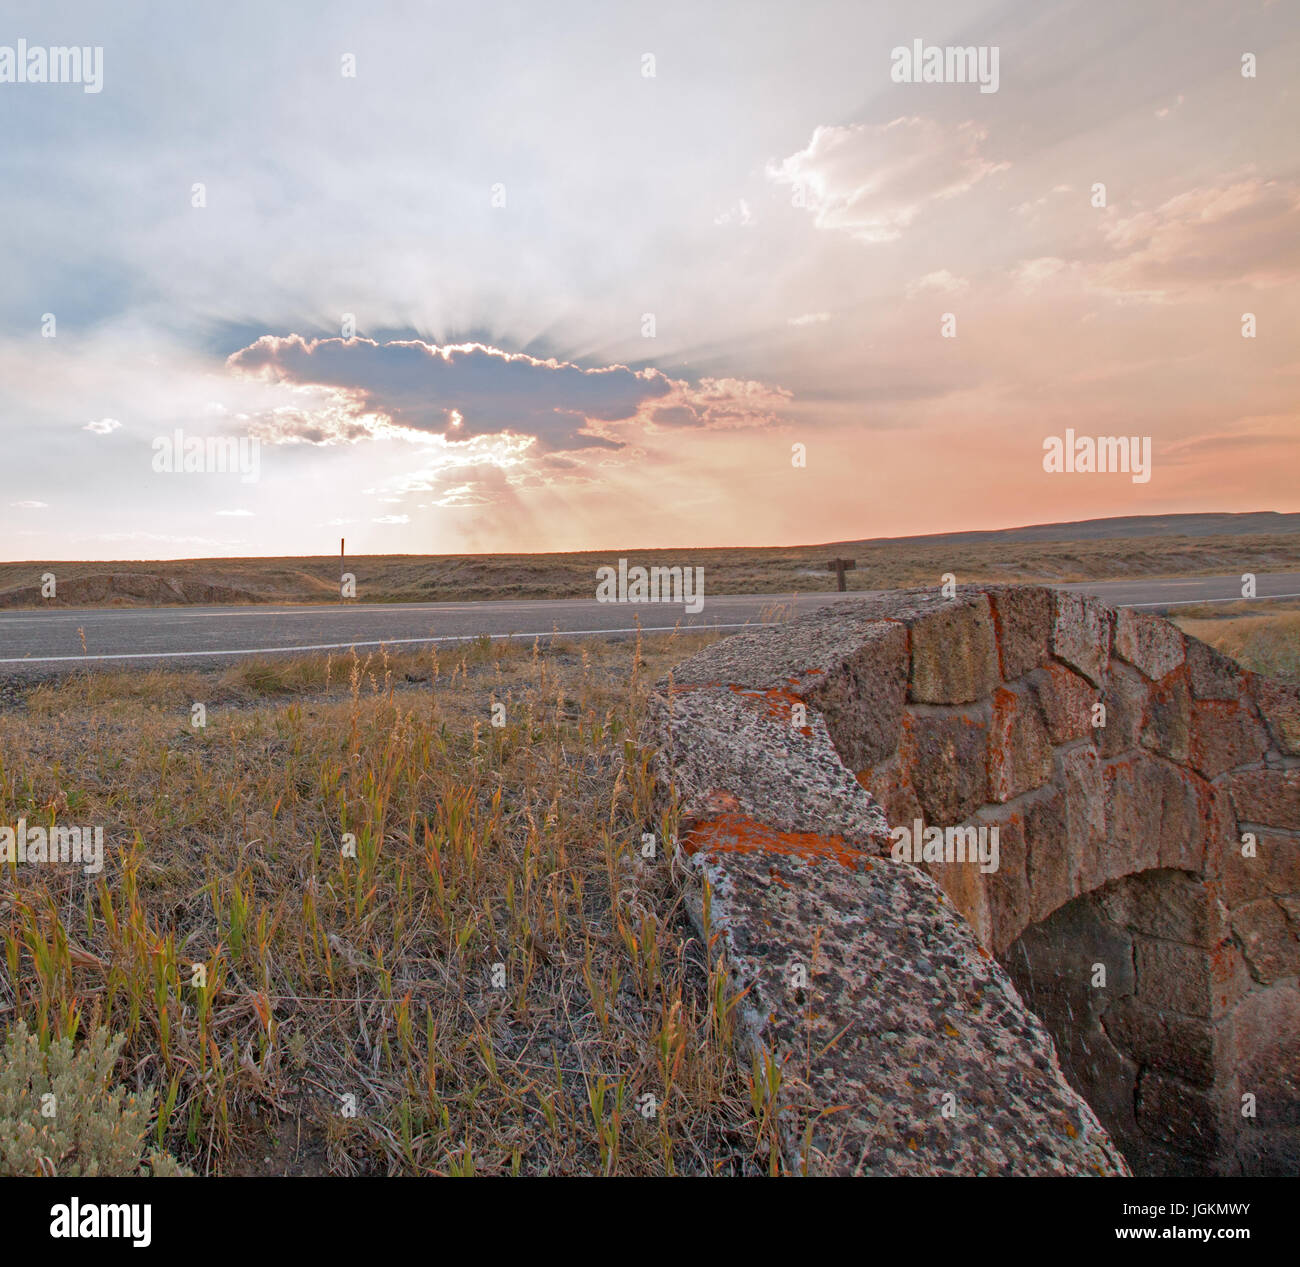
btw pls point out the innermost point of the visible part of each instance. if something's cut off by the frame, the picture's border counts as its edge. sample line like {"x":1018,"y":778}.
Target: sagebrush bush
{"x":60,"y":1113}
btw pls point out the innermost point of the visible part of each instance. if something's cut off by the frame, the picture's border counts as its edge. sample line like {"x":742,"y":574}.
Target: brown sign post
{"x":839,"y":567}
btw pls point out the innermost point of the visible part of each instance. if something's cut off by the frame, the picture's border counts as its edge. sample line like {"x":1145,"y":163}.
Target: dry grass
{"x":495,"y":978}
{"x":1266,"y":641}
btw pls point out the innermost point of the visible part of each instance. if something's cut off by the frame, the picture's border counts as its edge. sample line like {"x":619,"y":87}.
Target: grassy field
{"x":495,"y":978}
{"x":489,"y":979}
{"x":880,"y":565}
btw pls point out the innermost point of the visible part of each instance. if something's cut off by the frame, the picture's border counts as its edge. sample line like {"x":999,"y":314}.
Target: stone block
{"x":1189,"y":979}
{"x":1166,"y":728}
{"x":1266,"y":1055}
{"x":1167,"y":904}
{"x":1192,"y":1119}
{"x":1192,"y":1049}
{"x":1079,"y":775}
{"x":1124,"y":695}
{"x":1273,"y":870}
{"x":862,"y":698}
{"x":1153,"y":816}
{"x":1279,"y":705}
{"x":1066,"y":700}
{"x":1212,"y":674}
{"x":949,"y":770}
{"x":1134,"y":788}
{"x":1269,"y":797}
{"x":1007,"y":889}
{"x":1151,"y":645}
{"x":891,"y":788}
{"x":1267,"y":936}
{"x":1023,"y":619}
{"x":1047,"y":842}
{"x":1019,"y":752}
{"x":1081,"y":634}
{"x":954,"y":653}
{"x":1223,"y":735}
{"x":1198,"y":818}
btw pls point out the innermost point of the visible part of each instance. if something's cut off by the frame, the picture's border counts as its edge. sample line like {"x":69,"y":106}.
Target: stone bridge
{"x":1008,"y":882}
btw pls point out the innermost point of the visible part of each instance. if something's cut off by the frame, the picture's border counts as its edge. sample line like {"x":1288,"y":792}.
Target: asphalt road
{"x":52,"y":641}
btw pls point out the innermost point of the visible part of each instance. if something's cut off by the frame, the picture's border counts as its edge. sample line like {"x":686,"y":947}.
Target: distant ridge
{"x":1213,"y":524}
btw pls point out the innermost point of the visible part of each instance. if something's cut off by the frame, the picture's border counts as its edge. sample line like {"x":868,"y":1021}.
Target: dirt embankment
{"x":124,"y":589}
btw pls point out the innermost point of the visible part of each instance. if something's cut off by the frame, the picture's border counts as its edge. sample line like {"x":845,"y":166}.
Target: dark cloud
{"x":463,"y":390}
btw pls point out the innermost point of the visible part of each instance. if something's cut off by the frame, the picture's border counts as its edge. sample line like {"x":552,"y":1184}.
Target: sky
{"x":512,"y":277}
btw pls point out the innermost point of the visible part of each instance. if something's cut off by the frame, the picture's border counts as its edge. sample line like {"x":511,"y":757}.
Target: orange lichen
{"x":777,"y":705}
{"x":734,"y":833}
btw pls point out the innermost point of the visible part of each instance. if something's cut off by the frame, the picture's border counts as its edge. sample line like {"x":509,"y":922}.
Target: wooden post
{"x":839,"y":567}
{"x":342,"y":567}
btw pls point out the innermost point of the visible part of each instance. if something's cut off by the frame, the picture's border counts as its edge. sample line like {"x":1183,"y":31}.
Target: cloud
{"x":721,"y":404}
{"x":1044,"y":270}
{"x":1275,"y":433}
{"x":30,"y":505}
{"x":1246,"y":231}
{"x":739,"y":215}
{"x":236,"y":514}
{"x":462,"y":393}
{"x":104,"y":427}
{"x":874,"y":180}
{"x":942,"y":281}
{"x":476,"y":484}
{"x":459,"y":390}
{"x":331,"y":419}
{"x":810,"y":319}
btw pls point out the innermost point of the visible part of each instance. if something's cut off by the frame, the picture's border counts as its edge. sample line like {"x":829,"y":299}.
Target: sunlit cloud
{"x":875,"y":181}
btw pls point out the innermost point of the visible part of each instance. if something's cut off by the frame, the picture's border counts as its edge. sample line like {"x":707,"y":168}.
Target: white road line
{"x":493,"y":606}
{"x":378,"y":642}
{"x":1196,"y":602}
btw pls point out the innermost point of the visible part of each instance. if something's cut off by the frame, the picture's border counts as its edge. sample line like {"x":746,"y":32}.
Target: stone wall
{"x":1104,"y":744}
{"x":982,"y":711}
